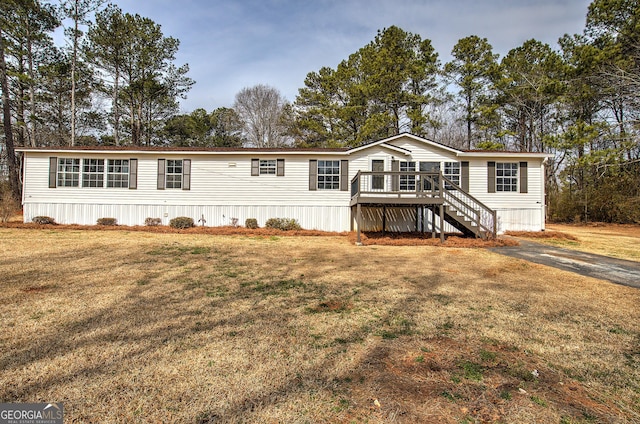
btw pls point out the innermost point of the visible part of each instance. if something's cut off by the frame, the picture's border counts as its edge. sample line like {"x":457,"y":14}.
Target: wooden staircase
{"x":431,"y":190}
{"x":467,"y":214}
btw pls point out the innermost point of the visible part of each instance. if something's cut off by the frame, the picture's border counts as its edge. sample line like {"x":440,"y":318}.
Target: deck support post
{"x":441,"y":223}
{"x":432,"y":209}
{"x":384,"y":220}
{"x":359,"y":224}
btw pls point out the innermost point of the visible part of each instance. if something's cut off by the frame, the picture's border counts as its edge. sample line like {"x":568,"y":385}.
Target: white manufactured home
{"x":402,"y":183}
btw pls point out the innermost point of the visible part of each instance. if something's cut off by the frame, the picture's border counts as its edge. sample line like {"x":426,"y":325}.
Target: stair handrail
{"x":484,"y":217}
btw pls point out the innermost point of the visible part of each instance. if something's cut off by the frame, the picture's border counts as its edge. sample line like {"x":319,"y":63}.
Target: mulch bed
{"x":369,"y":238}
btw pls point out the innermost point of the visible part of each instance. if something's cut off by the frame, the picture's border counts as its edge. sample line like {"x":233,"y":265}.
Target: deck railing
{"x":395,"y":183}
{"x":403,"y":184}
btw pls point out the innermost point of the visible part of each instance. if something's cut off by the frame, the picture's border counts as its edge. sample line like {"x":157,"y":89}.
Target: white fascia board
{"x":182,"y":152}
{"x":383,"y":145}
{"x":489,"y":154}
{"x":386,"y":141}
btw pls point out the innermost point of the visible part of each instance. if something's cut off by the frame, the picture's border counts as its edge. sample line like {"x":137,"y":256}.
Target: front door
{"x":377,"y":181}
{"x":427,"y":181}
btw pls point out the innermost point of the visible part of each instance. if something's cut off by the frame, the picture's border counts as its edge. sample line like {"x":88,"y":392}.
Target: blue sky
{"x":231,"y":44}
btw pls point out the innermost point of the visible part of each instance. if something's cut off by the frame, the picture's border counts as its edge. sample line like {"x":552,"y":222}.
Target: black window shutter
{"x":524,"y":177}
{"x":255,"y":167}
{"x":491,"y":177}
{"x":344,"y":175}
{"x":133,"y":174}
{"x":161,"y":174}
{"x":313,"y":174}
{"x":53,"y":171}
{"x":280,"y":168}
{"x":186,"y":174}
{"x":464,"y":175}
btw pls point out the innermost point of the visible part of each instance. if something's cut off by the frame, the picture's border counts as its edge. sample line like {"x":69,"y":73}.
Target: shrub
{"x":251,"y":223}
{"x":152,"y":222}
{"x":8,"y":207}
{"x":181,"y":222}
{"x":284,"y":224}
{"x":43,"y":220}
{"x":107,"y":221}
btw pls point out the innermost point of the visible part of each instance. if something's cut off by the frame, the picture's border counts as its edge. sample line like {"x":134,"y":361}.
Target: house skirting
{"x":325,"y":218}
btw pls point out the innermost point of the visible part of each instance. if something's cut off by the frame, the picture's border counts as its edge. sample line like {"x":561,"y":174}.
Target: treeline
{"x":116,"y":83}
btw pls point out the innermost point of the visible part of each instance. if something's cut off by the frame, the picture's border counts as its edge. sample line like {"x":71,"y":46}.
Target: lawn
{"x":131,"y":326}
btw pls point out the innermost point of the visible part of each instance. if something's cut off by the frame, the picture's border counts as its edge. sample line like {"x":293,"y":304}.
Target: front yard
{"x":125,"y":326}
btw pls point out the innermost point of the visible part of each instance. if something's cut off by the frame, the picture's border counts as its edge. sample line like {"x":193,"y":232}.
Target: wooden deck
{"x":446,"y":201}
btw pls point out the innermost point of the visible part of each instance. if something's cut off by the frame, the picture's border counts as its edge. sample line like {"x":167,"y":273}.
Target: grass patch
{"x":471,"y":370}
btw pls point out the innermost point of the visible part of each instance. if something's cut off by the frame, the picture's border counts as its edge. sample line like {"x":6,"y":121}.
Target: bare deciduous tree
{"x":261,"y":109}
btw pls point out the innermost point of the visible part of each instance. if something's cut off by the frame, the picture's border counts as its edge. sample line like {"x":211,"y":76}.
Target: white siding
{"x":516,"y":211}
{"x":221,"y":188}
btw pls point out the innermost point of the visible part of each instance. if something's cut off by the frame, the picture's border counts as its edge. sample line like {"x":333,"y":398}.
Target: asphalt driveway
{"x":590,"y":265}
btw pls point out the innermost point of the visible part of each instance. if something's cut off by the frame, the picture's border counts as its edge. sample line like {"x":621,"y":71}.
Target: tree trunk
{"x":14,"y":182}
{"x":73,"y":74}
{"x":20,"y":120}
{"x":116,"y":111}
{"x":32,"y":100}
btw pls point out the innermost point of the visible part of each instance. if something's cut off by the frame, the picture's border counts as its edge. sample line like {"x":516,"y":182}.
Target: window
{"x":68,"y":172}
{"x":407,"y":182}
{"x":507,"y":177}
{"x":268,"y":167}
{"x":118,"y":173}
{"x":93,"y":173}
{"x":174,"y":173}
{"x":328,"y":175}
{"x":452,"y":172}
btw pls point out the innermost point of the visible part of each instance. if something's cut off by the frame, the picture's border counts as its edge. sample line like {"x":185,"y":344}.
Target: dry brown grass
{"x":132,"y":326}
{"x":618,"y":241}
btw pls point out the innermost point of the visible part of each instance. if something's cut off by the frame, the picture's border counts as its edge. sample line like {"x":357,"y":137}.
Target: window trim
{"x":62,"y":173}
{"x":508,"y":181}
{"x":93,"y":172}
{"x":454,"y":177}
{"x":163,"y":173}
{"x":408,"y":181}
{"x":334,"y":184}
{"x":343,"y":175}
{"x":124,"y":178}
{"x":257,"y":167}
{"x":173,"y":179}
{"x":377,"y":181}
{"x":267,"y":167}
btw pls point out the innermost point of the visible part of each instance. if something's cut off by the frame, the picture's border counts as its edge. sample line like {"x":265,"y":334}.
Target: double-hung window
{"x":407,"y":182}
{"x":506,"y":177}
{"x":118,"y":173}
{"x":451,"y":172}
{"x":68,"y":172}
{"x":328,"y":175}
{"x":174,"y":173}
{"x":93,"y":173}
